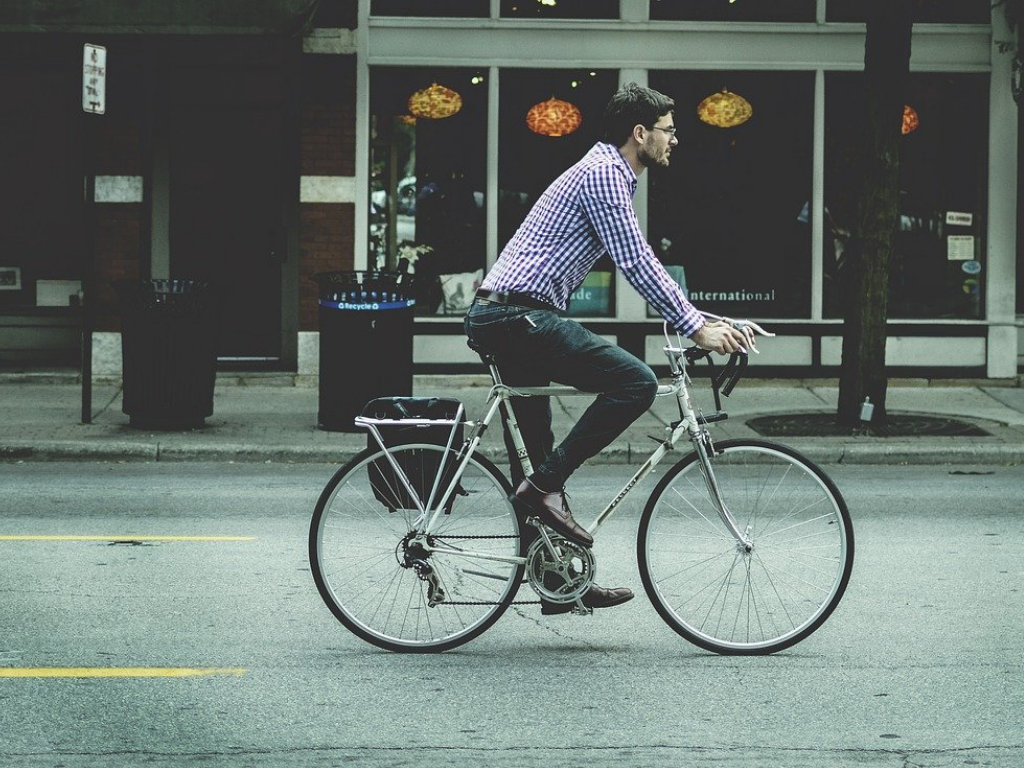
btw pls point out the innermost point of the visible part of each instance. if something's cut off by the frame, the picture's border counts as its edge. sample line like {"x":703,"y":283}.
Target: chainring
{"x":562,"y":579}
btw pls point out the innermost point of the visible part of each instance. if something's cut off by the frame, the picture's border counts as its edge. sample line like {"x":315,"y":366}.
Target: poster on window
{"x":960,"y":247}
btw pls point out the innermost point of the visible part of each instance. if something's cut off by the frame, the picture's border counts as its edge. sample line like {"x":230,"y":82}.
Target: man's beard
{"x":647,"y":160}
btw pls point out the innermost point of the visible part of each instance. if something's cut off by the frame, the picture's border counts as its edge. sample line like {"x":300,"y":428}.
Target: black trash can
{"x":169,"y":334}
{"x":366,"y":328}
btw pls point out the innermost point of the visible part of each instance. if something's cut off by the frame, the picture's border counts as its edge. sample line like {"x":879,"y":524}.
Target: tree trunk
{"x":886,"y":68}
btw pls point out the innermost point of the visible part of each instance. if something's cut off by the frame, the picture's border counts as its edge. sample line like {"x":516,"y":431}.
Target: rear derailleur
{"x":411,"y":554}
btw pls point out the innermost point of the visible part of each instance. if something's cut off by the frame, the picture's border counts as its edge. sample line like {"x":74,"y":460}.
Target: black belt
{"x":518,"y":299}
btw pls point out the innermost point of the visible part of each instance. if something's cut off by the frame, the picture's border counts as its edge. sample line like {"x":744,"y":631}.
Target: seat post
{"x":493,"y":368}
{"x":488,"y":360}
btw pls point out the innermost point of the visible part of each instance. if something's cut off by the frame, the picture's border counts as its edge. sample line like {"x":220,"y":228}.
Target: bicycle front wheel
{"x":383,"y":585}
{"x":714,"y":592}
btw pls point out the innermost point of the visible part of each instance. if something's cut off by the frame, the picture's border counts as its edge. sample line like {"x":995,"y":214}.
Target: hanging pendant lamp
{"x":725,"y":110}
{"x":435,"y":102}
{"x":910,"y":120}
{"x":554,"y":117}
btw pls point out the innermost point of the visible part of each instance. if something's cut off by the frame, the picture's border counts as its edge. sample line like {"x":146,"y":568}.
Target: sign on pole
{"x":94,"y":79}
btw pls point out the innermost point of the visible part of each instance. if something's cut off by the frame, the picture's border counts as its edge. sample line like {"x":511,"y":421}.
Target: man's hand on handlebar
{"x":725,"y":337}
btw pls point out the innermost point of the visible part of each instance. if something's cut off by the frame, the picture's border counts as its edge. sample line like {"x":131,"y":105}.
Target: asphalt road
{"x":226,"y":656}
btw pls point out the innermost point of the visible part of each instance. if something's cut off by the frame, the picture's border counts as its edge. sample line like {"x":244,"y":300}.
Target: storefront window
{"x":562,"y":9}
{"x":442,"y":8}
{"x":528,"y":161}
{"x":938,"y":265}
{"x":726,"y":214}
{"x":925,"y":11}
{"x":730,"y":10}
{"x":427,"y":181}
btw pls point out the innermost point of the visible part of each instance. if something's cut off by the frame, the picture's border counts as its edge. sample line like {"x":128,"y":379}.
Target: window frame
{"x":498,"y":43}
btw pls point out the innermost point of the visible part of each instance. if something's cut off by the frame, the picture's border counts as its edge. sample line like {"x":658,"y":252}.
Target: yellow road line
{"x":116,"y":672}
{"x":30,"y":537}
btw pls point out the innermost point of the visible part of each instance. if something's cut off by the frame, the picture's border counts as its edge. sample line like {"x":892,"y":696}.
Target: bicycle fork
{"x":701,"y":441}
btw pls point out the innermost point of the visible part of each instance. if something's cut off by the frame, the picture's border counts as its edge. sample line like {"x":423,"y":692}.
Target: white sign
{"x":960,"y":247}
{"x":959,"y":218}
{"x":94,"y":79}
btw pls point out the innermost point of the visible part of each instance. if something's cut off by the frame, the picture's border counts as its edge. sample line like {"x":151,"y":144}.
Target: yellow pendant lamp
{"x":435,"y":102}
{"x":725,"y":110}
{"x":554,"y":117}
{"x":910,"y":120}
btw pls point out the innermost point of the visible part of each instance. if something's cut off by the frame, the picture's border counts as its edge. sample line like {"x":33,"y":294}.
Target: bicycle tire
{"x":357,"y":555}
{"x":712,"y":592}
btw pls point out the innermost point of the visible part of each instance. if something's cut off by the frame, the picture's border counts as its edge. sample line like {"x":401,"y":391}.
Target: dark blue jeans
{"x":534,"y":347}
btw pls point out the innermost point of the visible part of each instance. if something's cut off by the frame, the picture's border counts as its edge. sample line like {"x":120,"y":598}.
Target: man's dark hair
{"x":633,"y":105}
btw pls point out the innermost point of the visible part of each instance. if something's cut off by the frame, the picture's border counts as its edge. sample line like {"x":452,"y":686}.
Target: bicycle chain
{"x":466,"y":602}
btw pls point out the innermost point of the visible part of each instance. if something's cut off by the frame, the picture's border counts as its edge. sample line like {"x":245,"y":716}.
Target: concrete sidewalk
{"x":268,"y":417}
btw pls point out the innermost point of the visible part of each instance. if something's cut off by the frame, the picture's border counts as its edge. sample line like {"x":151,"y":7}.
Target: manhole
{"x":900,"y":425}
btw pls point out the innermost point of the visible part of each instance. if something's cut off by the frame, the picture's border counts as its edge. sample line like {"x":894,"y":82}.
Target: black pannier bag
{"x":420,"y":467}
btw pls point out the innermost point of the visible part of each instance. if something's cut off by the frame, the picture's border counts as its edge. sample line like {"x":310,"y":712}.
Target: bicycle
{"x":744,"y":546}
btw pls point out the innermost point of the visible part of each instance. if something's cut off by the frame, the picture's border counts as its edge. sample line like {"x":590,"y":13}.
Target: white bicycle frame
{"x":500,"y":396}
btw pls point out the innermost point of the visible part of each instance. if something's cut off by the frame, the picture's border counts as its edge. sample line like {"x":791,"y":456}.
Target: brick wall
{"x":328,"y":138}
{"x":326,"y":245}
{"x":118,"y":245}
{"x":327,"y":229}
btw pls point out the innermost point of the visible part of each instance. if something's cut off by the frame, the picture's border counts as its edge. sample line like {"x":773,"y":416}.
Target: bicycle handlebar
{"x":739,"y":325}
{"x":726,"y":380}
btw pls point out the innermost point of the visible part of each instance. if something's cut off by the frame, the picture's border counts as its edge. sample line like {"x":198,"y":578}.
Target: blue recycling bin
{"x":366,"y":330}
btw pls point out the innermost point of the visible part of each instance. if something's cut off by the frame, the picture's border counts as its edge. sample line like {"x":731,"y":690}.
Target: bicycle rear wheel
{"x":721,"y":597}
{"x":370,"y":572}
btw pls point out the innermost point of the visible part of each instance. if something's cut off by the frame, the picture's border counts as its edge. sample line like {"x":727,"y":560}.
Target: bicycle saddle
{"x":486,"y":357}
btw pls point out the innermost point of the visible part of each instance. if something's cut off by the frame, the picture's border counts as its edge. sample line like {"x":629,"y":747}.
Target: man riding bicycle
{"x":585,"y":213}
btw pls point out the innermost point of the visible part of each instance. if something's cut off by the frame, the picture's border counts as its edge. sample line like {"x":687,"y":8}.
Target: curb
{"x":910,"y":453}
{"x":618,"y":454}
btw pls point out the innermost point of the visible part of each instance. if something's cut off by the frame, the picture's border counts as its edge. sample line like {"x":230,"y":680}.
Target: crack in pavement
{"x":555,"y":630}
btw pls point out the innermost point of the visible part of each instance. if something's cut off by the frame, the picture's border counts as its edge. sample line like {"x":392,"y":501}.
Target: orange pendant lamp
{"x":725,"y":110}
{"x":554,"y":117}
{"x":910,"y":120}
{"x":435,"y":102}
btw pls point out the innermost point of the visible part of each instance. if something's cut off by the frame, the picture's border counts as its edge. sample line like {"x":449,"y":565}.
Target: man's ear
{"x":638,"y":133}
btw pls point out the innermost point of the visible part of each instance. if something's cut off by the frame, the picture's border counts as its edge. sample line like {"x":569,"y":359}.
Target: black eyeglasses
{"x":670,"y":131}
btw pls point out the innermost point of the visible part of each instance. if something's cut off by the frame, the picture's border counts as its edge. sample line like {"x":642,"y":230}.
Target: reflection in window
{"x":728,"y":208}
{"x":444,"y":8}
{"x":938,"y":263}
{"x":925,"y":11}
{"x":560,"y":9}
{"x":427,"y":183}
{"x":528,"y":162}
{"x":730,"y":10}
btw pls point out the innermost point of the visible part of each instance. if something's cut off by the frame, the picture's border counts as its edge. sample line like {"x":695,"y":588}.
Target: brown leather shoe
{"x":551,"y":509}
{"x":596,"y":597}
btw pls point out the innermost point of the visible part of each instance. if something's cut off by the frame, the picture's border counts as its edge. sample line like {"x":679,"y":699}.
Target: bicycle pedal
{"x":578,"y":610}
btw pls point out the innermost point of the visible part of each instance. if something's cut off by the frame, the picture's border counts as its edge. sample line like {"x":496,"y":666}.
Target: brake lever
{"x":731,"y":374}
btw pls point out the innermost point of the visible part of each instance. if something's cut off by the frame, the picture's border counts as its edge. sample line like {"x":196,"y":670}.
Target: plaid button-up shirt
{"x":586,"y":213}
